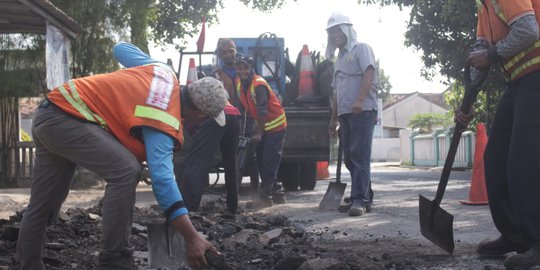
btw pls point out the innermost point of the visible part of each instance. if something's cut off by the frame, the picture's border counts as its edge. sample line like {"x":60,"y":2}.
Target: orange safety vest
{"x":275,"y":118}
{"x":123,"y":100}
{"x":494,"y":20}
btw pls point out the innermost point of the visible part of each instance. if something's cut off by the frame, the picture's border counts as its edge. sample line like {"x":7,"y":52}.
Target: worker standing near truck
{"x":227,"y":52}
{"x":507,"y":35}
{"x":355,"y":106}
{"x":109,"y":124}
{"x":260,"y":102}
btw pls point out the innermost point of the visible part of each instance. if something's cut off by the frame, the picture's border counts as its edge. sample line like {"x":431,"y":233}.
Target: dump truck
{"x":307,"y":140}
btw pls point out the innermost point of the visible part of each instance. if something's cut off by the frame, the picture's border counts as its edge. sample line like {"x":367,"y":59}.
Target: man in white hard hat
{"x":355,"y":107}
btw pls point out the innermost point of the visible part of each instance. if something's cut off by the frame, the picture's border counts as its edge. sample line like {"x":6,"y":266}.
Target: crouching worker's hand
{"x":196,"y":245}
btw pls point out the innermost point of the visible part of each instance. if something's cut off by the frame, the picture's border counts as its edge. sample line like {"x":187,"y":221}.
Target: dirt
{"x":284,"y":237}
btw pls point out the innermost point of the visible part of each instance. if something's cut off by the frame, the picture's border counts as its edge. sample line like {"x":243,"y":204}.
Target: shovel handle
{"x":471,"y":92}
{"x":339,"y":159}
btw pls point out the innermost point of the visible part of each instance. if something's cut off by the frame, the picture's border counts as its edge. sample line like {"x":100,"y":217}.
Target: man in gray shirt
{"x":355,"y":107}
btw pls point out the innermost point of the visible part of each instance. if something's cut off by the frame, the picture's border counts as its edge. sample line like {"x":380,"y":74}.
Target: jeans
{"x":512,"y":161}
{"x":269,"y":151}
{"x":63,"y":142}
{"x":356,"y":135}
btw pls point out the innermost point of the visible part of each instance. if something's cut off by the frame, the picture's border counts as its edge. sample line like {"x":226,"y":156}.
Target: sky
{"x":304,"y":22}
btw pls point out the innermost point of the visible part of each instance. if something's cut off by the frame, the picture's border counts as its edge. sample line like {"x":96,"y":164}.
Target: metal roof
{"x":30,"y":16}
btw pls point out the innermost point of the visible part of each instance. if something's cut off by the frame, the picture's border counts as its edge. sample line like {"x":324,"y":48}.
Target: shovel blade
{"x":436,"y":224}
{"x":166,"y":247}
{"x":332,"y":197}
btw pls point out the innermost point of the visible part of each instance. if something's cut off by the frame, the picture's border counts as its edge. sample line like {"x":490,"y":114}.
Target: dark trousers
{"x":269,"y":151}
{"x":228,"y":146}
{"x":512,"y":161}
{"x":62,"y":142}
{"x":205,"y":141}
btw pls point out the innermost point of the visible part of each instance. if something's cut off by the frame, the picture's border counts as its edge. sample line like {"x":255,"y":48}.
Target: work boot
{"x":122,"y":260}
{"x":357,"y":210}
{"x":344,"y":208}
{"x":279,"y":198}
{"x":260,"y":201}
{"x":499,"y":247}
{"x":524,"y":261}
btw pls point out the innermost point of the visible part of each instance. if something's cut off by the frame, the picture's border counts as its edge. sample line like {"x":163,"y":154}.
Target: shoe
{"x":357,"y":210}
{"x":260,"y":201}
{"x":279,"y":198}
{"x":344,"y":208}
{"x":499,"y":247}
{"x":524,"y":261}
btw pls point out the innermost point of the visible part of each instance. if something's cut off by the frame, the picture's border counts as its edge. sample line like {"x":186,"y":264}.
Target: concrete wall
{"x":387,"y":149}
{"x":405,"y":143}
{"x":399,"y":114}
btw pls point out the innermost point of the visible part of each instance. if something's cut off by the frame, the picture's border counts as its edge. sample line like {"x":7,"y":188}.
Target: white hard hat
{"x":336,"y":19}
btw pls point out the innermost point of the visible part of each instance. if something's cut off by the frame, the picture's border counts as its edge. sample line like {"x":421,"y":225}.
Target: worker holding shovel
{"x":355,"y":106}
{"x":507,"y":35}
{"x":110,"y":123}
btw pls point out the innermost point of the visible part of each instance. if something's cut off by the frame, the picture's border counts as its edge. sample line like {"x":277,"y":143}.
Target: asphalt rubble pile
{"x":247,"y":240}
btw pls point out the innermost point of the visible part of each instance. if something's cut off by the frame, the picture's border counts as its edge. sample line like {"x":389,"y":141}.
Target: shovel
{"x":334,"y":193}
{"x":167,"y":249}
{"x":435,"y":223}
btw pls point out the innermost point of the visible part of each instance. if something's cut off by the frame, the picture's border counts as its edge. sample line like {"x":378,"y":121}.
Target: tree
{"x":444,"y":32}
{"x":425,"y":122}
{"x":384,"y":87}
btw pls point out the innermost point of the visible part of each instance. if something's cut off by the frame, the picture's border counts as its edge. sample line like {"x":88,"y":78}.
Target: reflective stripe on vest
{"x":156,"y":114}
{"x":278,"y":121}
{"x":72,"y":96}
{"x":496,"y":8}
{"x":516,"y":70}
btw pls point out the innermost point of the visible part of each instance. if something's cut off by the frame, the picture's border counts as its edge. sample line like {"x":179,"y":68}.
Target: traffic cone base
{"x":477,"y":192}
{"x":322,"y":170}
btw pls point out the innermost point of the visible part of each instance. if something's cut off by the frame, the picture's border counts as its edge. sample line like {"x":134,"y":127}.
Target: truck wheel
{"x":289,"y":174}
{"x":308,"y":175}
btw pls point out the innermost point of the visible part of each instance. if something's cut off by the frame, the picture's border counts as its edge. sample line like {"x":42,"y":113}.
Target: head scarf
{"x":348,"y":30}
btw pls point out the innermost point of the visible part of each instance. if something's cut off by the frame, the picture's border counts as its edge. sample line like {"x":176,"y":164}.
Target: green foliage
{"x":426,"y":122}
{"x":384,"y":87}
{"x":176,"y":19}
{"x":484,"y":107}
{"x":444,"y":31}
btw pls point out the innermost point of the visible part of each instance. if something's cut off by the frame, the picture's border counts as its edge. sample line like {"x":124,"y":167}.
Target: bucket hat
{"x":210,"y":97}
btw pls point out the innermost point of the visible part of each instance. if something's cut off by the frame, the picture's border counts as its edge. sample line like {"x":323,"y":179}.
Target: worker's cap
{"x":336,"y":19}
{"x":244,"y":59}
{"x":210,"y":97}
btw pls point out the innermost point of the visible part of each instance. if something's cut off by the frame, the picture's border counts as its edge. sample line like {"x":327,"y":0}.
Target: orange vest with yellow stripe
{"x":275,"y":118}
{"x":123,"y":100}
{"x":494,"y":20}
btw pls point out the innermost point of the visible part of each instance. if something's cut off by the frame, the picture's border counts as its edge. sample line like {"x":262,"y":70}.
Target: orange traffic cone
{"x":192,"y":72}
{"x":322,"y":170}
{"x":477,"y":193}
{"x":306,"y":80}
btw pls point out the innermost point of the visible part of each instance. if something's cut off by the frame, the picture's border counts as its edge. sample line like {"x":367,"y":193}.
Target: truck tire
{"x":289,"y":174}
{"x":308,"y":175}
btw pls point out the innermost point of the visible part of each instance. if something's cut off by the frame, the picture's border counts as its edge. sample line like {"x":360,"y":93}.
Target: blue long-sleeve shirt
{"x":159,"y":146}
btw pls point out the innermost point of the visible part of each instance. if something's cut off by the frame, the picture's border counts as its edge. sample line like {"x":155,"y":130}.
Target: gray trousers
{"x":62,"y":142}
